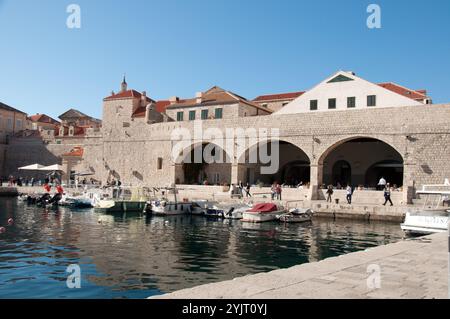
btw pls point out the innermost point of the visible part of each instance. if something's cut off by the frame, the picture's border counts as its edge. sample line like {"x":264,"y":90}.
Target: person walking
{"x":349,"y":194}
{"x":329,"y":193}
{"x":387,"y":195}
{"x":247,"y":189}
{"x":381,"y":183}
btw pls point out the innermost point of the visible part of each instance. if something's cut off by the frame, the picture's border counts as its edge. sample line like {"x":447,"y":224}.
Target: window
{"x":58,"y":141}
{"x":371,"y":100}
{"x":331,"y":103}
{"x":284,"y":104}
{"x":10,"y":124}
{"x":264,"y":105}
{"x":191,"y":115}
{"x":18,"y":124}
{"x":313,"y":105}
{"x":159,"y":164}
{"x":204,"y":114}
{"x":218,"y":113}
{"x":351,"y":102}
{"x":179,"y":116}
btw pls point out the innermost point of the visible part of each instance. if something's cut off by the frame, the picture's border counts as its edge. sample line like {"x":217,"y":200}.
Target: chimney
{"x":112,"y":93}
{"x":143,"y":98}
{"x":198,"y":97}
{"x":174,"y":99}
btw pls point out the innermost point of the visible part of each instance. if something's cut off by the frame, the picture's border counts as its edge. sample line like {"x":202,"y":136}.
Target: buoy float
{"x":2,"y":230}
{"x":10,"y":221}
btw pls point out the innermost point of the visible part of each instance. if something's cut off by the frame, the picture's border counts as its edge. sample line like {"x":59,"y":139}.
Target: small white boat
{"x":164,"y":208}
{"x":431,"y":218}
{"x":263,"y":212}
{"x":296,"y":215}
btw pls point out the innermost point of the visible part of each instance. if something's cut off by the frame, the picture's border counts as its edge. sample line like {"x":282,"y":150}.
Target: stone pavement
{"x":413,"y":268}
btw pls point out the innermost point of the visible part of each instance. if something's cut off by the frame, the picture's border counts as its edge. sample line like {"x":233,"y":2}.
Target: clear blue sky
{"x":251,"y":47}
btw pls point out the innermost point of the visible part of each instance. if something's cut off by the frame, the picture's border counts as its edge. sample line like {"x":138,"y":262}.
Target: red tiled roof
{"x":160,"y":107}
{"x":280,"y":96}
{"x":412,"y":94}
{"x":76,"y":151}
{"x":43,"y":118}
{"x":126,"y":95}
{"x":78,"y":131}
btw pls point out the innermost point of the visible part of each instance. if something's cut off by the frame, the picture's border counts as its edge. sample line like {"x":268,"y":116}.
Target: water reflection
{"x":130,"y":255}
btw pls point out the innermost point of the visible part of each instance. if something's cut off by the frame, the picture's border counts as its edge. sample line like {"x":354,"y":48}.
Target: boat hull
{"x":260,"y":217}
{"x":426,"y":222}
{"x":114,"y":206}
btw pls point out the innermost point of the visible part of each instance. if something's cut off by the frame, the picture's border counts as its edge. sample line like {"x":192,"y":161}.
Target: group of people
{"x":20,"y":181}
{"x":275,"y":191}
{"x":382,"y":185}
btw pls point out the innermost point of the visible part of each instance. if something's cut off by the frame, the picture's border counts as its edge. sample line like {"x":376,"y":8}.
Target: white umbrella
{"x":55,"y":167}
{"x":31,"y":167}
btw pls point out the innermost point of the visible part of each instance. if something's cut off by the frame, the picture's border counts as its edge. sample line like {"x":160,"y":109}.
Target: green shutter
{"x":218,"y":114}
{"x":191,"y":115}
{"x":204,"y":114}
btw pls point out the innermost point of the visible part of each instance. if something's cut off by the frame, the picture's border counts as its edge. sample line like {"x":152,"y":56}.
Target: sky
{"x":177,"y":48}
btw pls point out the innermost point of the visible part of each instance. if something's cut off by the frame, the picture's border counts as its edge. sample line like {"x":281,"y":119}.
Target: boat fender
{"x":10,"y":221}
{"x":2,"y":230}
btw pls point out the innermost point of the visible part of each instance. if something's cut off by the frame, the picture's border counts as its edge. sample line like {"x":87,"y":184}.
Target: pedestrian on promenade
{"x":329,"y":193}
{"x":387,"y":195}
{"x":247,"y":189}
{"x":273,"y":190}
{"x":278,"y":190}
{"x":382,"y":183}
{"x":241,"y":188}
{"x":349,"y":194}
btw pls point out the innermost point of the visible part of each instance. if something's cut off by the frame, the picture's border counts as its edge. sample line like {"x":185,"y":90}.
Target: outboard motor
{"x":55,"y":199}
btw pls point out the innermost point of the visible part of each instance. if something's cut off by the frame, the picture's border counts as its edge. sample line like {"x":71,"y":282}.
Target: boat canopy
{"x":264,"y":207}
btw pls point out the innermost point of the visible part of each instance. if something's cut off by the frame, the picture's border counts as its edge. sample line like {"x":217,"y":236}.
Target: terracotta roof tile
{"x":76,"y":151}
{"x":126,"y":95}
{"x":280,"y":96}
{"x":412,"y":94}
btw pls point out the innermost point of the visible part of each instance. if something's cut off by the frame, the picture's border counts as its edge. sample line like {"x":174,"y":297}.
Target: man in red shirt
{"x":60,"y":189}
{"x":47,"y":187}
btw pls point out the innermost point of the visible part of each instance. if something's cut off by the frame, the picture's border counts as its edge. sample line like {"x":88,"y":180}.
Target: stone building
{"x":275,"y":102}
{"x":356,"y":132}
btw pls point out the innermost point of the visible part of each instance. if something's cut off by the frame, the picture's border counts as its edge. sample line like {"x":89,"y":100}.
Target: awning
{"x":55,"y":167}
{"x":32,"y":167}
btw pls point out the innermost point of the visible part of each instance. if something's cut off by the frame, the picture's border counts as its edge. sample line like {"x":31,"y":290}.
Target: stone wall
{"x":420,"y":134}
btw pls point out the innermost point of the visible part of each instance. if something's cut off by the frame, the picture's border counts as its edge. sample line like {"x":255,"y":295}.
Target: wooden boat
{"x":263,"y":212}
{"x":165,"y":208}
{"x":296,"y":215}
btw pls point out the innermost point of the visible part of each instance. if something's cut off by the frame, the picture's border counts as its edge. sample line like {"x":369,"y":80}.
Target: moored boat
{"x":263,"y":212}
{"x":236,"y":211}
{"x":431,"y":218}
{"x":296,"y":215}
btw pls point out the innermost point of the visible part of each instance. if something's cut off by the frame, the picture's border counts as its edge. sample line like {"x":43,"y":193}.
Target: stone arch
{"x":291,"y":167}
{"x":212,"y":164}
{"x":361,"y":153}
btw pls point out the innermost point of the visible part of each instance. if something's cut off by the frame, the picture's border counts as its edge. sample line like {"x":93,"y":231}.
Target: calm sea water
{"x":131,"y":256}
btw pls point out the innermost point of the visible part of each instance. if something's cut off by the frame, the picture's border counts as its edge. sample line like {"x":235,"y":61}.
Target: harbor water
{"x":135,"y":256}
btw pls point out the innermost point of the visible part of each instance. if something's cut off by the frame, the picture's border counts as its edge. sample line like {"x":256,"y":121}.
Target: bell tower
{"x":124,"y":85}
